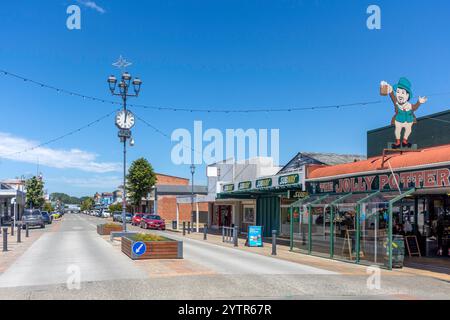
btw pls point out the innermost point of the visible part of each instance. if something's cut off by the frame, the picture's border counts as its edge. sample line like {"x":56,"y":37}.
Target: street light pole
{"x":124,"y":121}
{"x":192,"y":195}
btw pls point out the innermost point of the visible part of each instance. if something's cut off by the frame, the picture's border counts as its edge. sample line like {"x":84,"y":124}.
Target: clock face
{"x":125,"y":120}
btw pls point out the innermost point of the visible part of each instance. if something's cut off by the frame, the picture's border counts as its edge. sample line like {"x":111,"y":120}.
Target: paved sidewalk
{"x":284,"y":253}
{"x":15,"y":250}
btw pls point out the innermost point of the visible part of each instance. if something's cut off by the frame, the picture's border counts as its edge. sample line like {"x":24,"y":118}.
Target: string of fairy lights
{"x":191,"y":110}
{"x":173,"y":109}
{"x":43,"y":144}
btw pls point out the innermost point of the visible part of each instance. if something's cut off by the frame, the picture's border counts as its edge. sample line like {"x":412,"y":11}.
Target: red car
{"x":152,"y":221}
{"x":137,"y":218}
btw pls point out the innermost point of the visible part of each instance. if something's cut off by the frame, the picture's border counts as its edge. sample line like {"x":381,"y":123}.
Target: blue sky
{"x":208,"y":54}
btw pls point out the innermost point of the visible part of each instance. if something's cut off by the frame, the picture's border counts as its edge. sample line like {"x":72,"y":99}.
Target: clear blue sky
{"x":209,"y":54}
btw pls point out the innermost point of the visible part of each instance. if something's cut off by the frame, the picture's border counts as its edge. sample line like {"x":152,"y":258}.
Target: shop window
{"x":249,"y":215}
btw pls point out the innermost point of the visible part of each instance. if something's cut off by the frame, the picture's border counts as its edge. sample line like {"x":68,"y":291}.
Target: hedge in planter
{"x":157,"y":247}
{"x":107,"y":228}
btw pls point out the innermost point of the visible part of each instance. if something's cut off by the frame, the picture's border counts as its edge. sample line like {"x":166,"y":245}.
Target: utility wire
{"x":196,"y":110}
{"x":90,"y":124}
{"x":162,"y":133}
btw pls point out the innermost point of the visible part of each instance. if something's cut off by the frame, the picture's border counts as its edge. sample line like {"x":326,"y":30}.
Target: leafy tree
{"x":87,"y":204}
{"x":35,"y":192}
{"x":48,"y":207}
{"x":140,"y":180}
{"x":117,"y":207}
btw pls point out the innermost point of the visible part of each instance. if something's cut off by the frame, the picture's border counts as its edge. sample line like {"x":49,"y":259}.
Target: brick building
{"x":163,"y":199}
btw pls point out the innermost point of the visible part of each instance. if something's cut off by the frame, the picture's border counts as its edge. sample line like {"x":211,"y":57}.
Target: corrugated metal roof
{"x":410,"y":159}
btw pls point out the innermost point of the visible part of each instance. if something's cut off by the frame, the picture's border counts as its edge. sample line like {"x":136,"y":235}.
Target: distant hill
{"x":65,"y":198}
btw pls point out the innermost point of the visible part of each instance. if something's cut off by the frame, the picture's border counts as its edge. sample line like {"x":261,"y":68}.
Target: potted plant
{"x":150,"y":246}
{"x":106,"y":228}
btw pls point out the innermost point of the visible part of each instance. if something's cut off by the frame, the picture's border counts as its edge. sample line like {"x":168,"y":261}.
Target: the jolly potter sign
{"x":420,"y":179}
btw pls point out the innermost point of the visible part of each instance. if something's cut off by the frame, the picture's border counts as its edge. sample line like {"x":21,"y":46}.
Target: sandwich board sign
{"x":255,"y":236}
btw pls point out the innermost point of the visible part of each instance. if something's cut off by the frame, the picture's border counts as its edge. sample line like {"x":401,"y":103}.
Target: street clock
{"x":125,"y":120}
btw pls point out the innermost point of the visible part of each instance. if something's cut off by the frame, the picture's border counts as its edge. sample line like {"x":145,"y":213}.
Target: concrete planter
{"x":170,"y":249}
{"x":106,"y":229}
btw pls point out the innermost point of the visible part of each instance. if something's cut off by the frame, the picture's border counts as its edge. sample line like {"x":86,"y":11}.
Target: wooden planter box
{"x":169,"y":249}
{"x":105,"y":230}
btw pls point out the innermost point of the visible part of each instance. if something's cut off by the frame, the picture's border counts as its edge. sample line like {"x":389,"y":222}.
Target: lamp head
{"x":112,"y":81}
{"x":137,"y":85}
{"x":122,"y":87}
{"x":126,"y":77}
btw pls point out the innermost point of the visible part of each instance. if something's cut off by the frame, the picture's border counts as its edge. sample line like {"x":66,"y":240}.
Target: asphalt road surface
{"x":74,"y":247}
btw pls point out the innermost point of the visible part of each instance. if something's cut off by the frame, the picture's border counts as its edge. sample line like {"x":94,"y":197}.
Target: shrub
{"x":148,"y":237}
{"x":111,"y":225}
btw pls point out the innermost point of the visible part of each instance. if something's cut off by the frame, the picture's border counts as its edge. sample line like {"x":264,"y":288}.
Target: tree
{"x":87,"y":204}
{"x":35,"y":192}
{"x":140,"y":180}
{"x":48,"y":207}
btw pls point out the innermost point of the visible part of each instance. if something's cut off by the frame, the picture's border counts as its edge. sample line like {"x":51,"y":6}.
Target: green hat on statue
{"x":404,"y":83}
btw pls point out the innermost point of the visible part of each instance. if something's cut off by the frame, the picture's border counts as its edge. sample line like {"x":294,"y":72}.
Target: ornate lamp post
{"x":124,"y":120}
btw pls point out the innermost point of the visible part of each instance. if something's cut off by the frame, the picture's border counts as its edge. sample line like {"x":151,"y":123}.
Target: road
{"x":207,"y":271}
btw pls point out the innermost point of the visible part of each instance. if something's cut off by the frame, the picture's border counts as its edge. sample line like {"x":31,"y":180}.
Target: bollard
{"x":5,"y":239}
{"x":19,"y":231}
{"x":223,"y":234}
{"x":27,"y":231}
{"x":205,"y":231}
{"x":235,"y":236}
{"x":189,"y":227}
{"x":184,"y":228}
{"x":274,"y":242}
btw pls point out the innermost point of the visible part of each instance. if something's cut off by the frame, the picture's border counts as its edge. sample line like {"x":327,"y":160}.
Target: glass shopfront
{"x":350,"y":227}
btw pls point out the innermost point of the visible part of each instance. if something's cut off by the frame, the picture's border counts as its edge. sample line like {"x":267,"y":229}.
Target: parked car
{"x":48,"y":219}
{"x":32,"y":218}
{"x":116,"y":215}
{"x":136,"y":220}
{"x":106,"y":214}
{"x":55,"y":215}
{"x":153,"y":221}
{"x":128,"y":217}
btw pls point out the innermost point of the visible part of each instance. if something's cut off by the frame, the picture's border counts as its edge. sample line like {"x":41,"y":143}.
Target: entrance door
{"x":225,"y":215}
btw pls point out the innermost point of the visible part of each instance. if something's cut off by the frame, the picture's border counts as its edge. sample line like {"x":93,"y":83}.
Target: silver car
{"x":32,"y":218}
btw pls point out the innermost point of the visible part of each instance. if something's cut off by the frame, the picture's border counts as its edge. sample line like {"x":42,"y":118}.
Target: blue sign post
{"x":255,"y":236}
{"x":139,"y":248}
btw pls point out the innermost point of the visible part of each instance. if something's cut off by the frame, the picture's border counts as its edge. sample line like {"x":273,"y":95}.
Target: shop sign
{"x":264,"y":183}
{"x":292,"y":194}
{"x":245,"y":185}
{"x":255,"y":236}
{"x":419,"y":179}
{"x":290,"y":179}
{"x":228,"y":188}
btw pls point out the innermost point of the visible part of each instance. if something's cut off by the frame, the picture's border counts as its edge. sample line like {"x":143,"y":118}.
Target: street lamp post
{"x":192,"y":195}
{"x":125,"y":121}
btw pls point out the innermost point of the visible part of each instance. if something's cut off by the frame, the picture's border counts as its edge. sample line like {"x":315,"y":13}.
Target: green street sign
{"x":264,"y":183}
